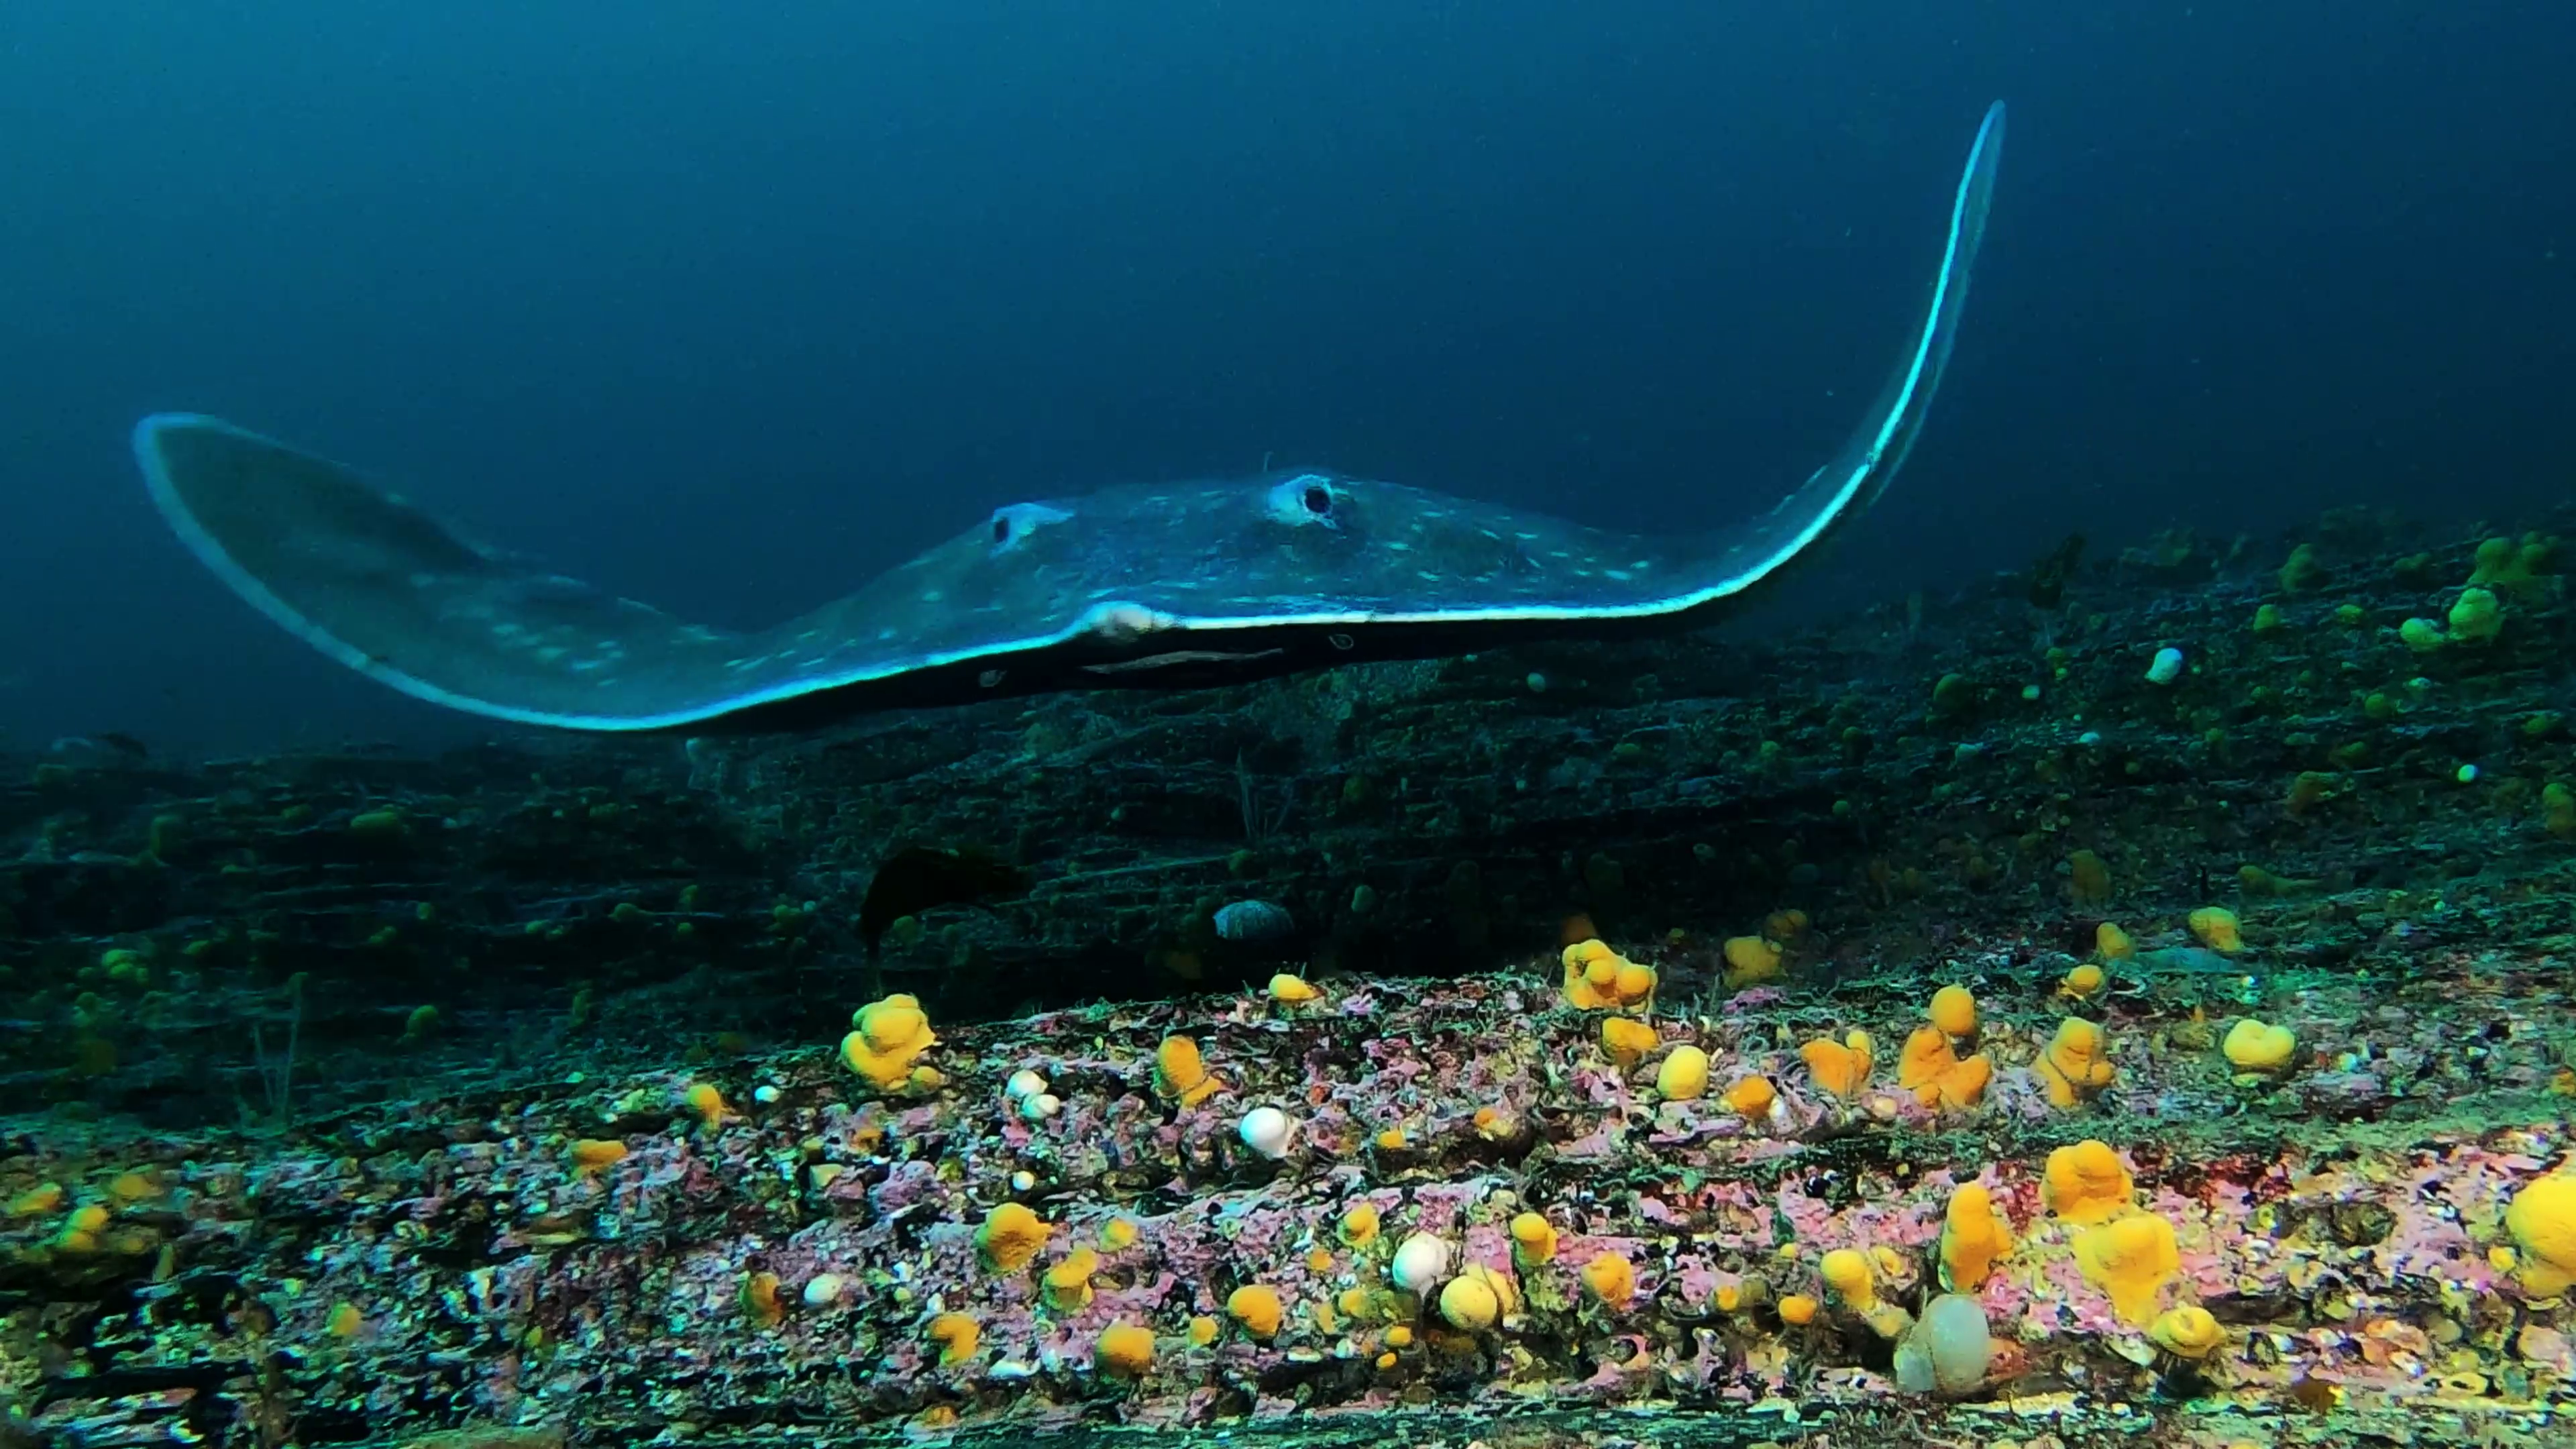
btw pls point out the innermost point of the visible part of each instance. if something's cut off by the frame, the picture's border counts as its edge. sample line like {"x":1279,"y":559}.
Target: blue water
{"x":728,"y":307}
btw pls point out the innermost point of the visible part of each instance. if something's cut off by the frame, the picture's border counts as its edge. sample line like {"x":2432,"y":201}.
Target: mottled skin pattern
{"x":1146,"y":585}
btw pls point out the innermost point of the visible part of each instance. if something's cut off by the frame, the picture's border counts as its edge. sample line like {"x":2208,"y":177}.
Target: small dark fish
{"x":919,"y":877}
{"x":2049,"y":575}
{"x":125,"y":744}
{"x":2314,"y":1396}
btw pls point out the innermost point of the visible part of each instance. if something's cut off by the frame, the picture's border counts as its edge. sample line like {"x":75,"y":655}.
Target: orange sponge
{"x":2131,"y":1260}
{"x":1750,"y":961}
{"x":1963,"y":1085}
{"x":1533,"y":1241}
{"x":1010,"y":1237}
{"x":1626,"y":1040}
{"x":2217,"y":928}
{"x":1068,"y":1283}
{"x":757,"y":1297}
{"x":709,"y":1103}
{"x":1611,"y":1278}
{"x":1633,"y":984}
{"x":1291,"y":990}
{"x":1124,"y":1350}
{"x":1935,"y":1074}
{"x":2076,"y":1063}
{"x":1752,"y":1097}
{"x":1256,"y":1306}
{"x":1926,"y":1056}
{"x":1973,"y":1236}
{"x":956,"y":1334}
{"x":2087,"y":1182}
{"x":1180,"y":1075}
{"x":1840,"y":1068}
{"x":1847,"y":1272}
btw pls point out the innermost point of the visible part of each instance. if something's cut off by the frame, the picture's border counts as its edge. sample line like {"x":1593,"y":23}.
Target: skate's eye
{"x":1012,"y":527}
{"x":1309,"y":500}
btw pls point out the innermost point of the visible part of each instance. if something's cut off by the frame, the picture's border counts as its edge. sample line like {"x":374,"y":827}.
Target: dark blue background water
{"x":729,"y":306}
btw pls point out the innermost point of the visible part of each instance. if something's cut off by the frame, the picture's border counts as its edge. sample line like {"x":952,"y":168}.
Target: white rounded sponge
{"x":1266,"y":1130}
{"x":1421,"y":1261}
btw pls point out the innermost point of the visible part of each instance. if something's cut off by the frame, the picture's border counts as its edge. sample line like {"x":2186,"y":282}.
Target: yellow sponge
{"x":2542,"y":1219}
{"x":2131,"y":1260}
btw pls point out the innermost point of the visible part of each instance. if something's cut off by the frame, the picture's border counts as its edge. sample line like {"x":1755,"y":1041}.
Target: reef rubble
{"x":768,"y":1243}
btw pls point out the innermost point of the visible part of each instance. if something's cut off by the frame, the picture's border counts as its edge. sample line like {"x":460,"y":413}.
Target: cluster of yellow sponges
{"x":1931,"y":1068}
{"x":2130,"y":1255}
{"x":1478,"y":1298}
{"x":1600,"y":979}
{"x":885,"y":1042}
{"x":92,"y":1227}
